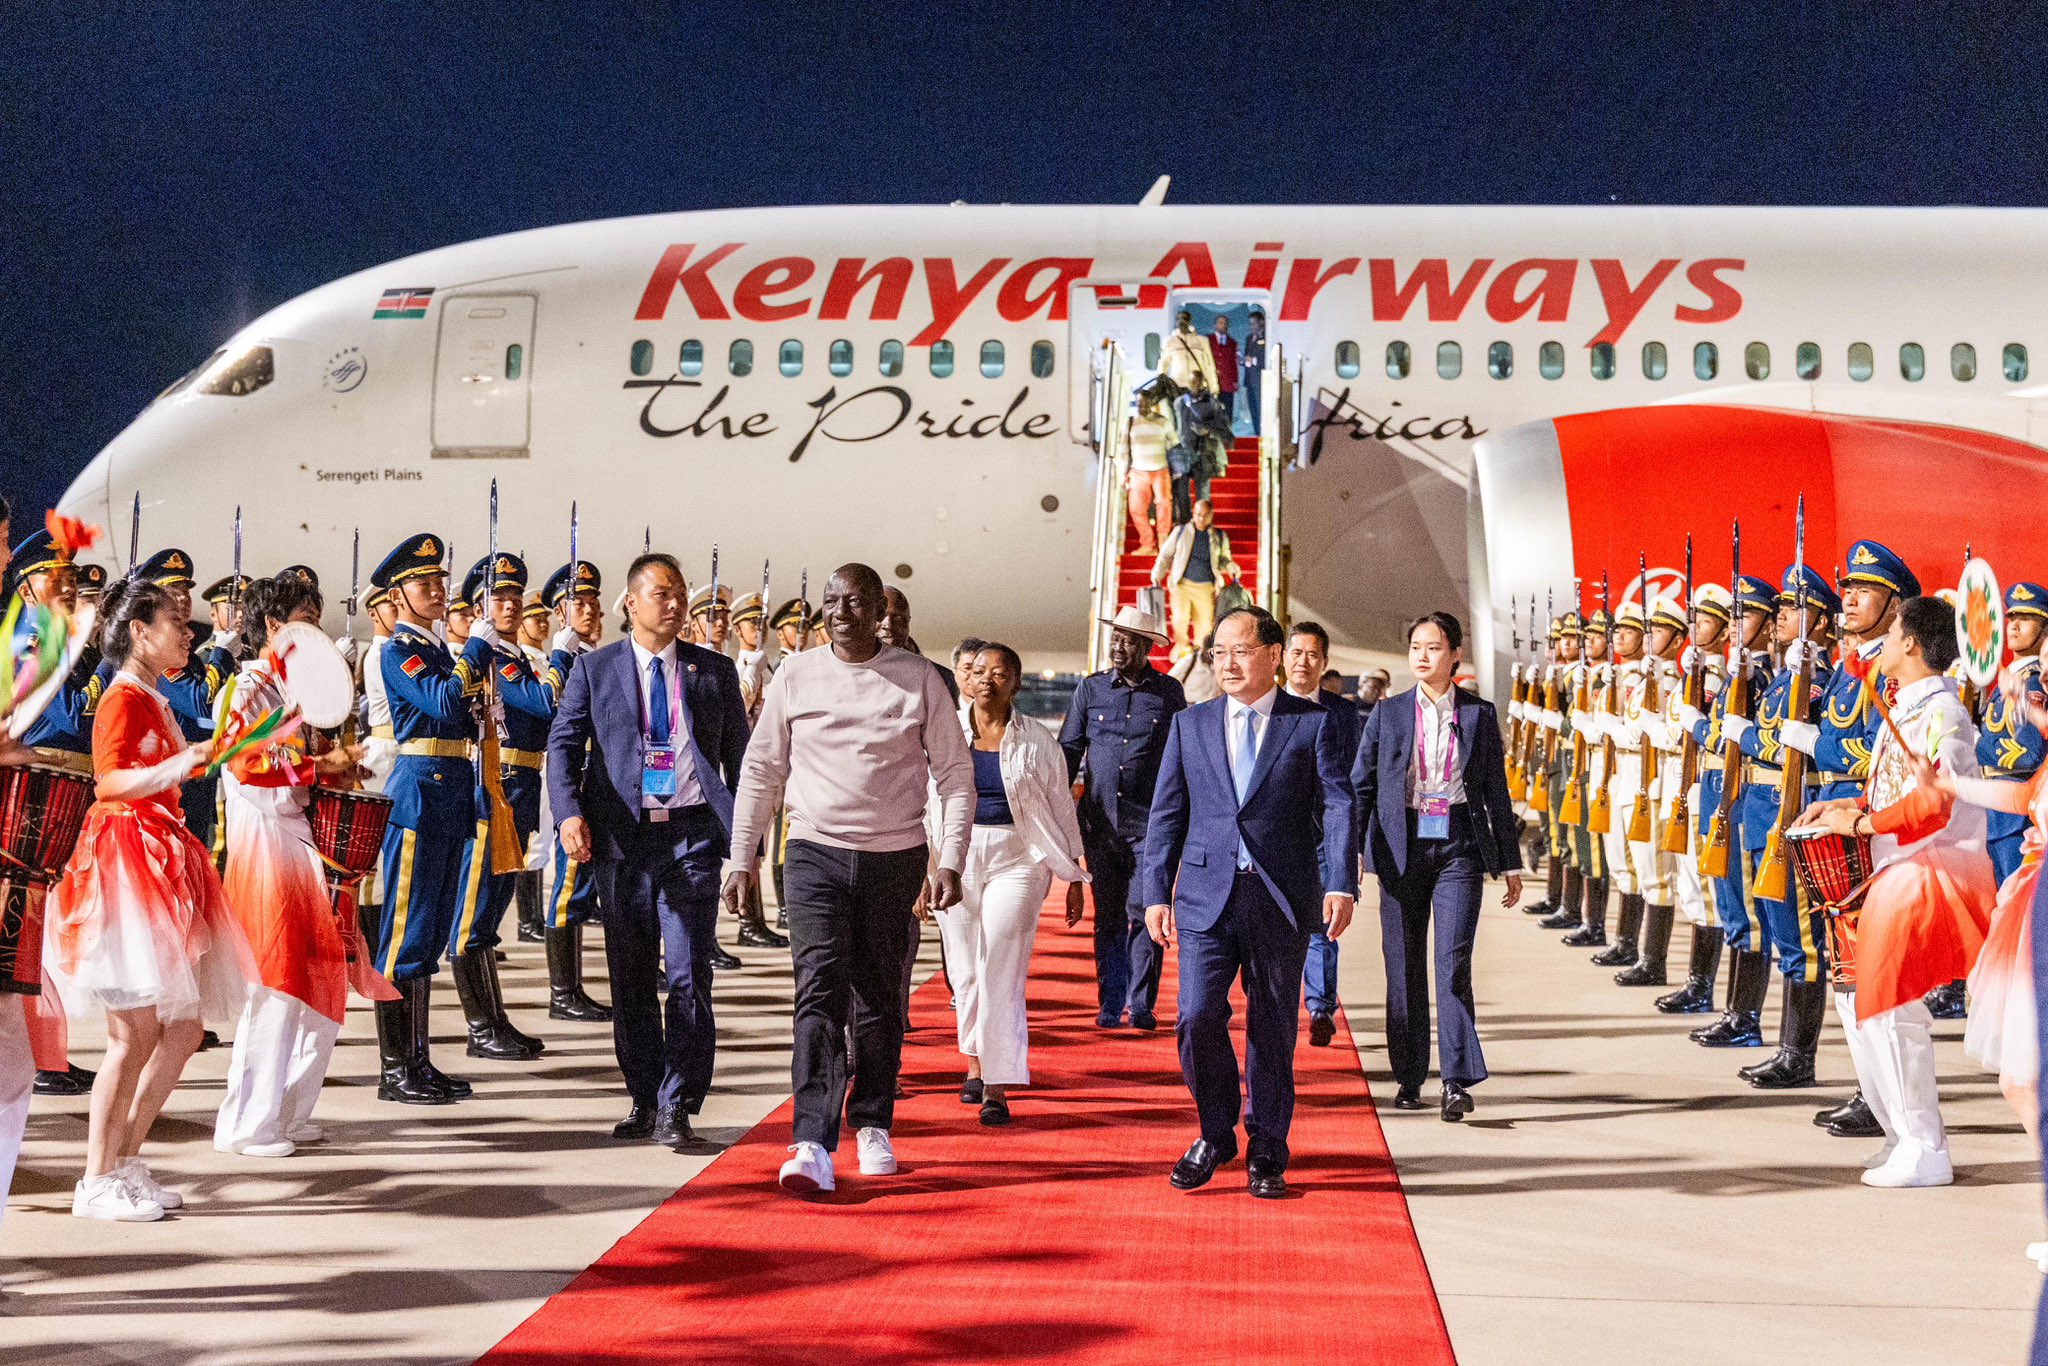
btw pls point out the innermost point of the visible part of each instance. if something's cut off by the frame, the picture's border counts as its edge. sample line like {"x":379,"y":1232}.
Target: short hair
{"x":861,"y":576}
{"x":278,"y":599}
{"x":1454,"y":634}
{"x":970,"y":646}
{"x":1268,"y":630}
{"x":1315,"y":629}
{"x":1329,"y":674}
{"x":649,"y":560}
{"x":1930,"y":623}
{"x":1009,"y":656}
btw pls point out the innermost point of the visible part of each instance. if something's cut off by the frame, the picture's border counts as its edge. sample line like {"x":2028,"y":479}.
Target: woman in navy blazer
{"x":1433,"y":831}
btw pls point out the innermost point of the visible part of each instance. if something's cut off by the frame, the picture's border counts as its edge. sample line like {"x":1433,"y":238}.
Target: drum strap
{"x":69,"y":760}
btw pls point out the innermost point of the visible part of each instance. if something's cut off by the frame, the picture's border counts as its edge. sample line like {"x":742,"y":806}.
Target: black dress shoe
{"x":1859,"y":1123}
{"x":1544,"y":907}
{"x":671,"y":1127}
{"x":995,"y":1112}
{"x":1457,"y":1102}
{"x":1107,"y":1019}
{"x":1199,"y":1163}
{"x":1145,"y":1020}
{"x":638,"y":1123}
{"x":1266,"y":1178}
{"x":1621,"y":954}
{"x":970,"y":1091}
{"x":75,"y":1081}
{"x":1322,"y":1028}
{"x":1408,"y":1098}
{"x":208,"y":1039}
{"x":1852,"y":1106}
{"x":722,"y":961}
{"x":1563,"y":918}
{"x":1586,"y":937}
{"x":755,"y":934}
{"x":1946,"y":1002}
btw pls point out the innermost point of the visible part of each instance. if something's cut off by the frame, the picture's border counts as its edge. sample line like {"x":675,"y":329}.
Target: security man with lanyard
{"x":521,"y":707}
{"x":1740,"y":1026}
{"x":2009,"y":749}
{"x":572,"y":593}
{"x":432,"y":787}
{"x":1797,"y":933}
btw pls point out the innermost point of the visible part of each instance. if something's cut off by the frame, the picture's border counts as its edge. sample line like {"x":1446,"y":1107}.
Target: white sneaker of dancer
{"x":877,"y":1157}
{"x":1872,"y":1161}
{"x":309,"y":1132}
{"x":144,"y":1180}
{"x":1912,"y":1167}
{"x":810,"y":1170}
{"x":112,"y":1198}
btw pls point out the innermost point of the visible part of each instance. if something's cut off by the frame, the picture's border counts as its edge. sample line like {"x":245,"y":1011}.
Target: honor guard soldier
{"x":432,"y":786}
{"x":92,"y":582}
{"x":1795,"y":932}
{"x":1651,"y":716}
{"x":789,"y":624}
{"x":224,"y":599}
{"x":749,"y":622}
{"x":1621,"y":747}
{"x":1539,"y":721}
{"x":1567,"y":633}
{"x":534,"y":631}
{"x":2009,"y":749}
{"x":1755,"y":607}
{"x":711,"y":617}
{"x":1587,"y":851}
{"x":573,"y":594}
{"x":1703,"y":664}
{"x":461,"y":619}
{"x":514,"y":710}
{"x":380,"y":748}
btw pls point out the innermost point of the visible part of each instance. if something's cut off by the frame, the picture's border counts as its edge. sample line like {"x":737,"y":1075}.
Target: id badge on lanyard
{"x":658,"y":761}
{"x":1433,"y":821}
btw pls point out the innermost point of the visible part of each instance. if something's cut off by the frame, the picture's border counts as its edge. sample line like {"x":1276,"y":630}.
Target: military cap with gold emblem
{"x":1667,"y":612}
{"x":92,"y":579}
{"x":376,"y":598}
{"x":168,"y":569}
{"x":1598,"y":624}
{"x":2025,"y":599}
{"x":746,"y":608}
{"x":1568,"y":625}
{"x":35,"y":555}
{"x":1713,"y":599}
{"x":1872,"y":562}
{"x":220,"y":590}
{"x":1630,"y":616}
{"x":700,"y":601}
{"x":416,"y":557}
{"x":588,"y":580}
{"x":534,"y":608}
{"x":791,"y":613}
{"x":507,"y":571}
{"x":1756,"y":595}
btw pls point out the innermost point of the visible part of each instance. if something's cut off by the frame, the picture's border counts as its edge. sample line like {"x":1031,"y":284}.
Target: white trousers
{"x":1894,"y":1057}
{"x":988,"y":939}
{"x":282,"y":1047}
{"x":17,"y":1082}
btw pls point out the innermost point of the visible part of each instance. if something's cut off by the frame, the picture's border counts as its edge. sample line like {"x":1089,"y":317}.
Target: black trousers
{"x":1441,"y":886}
{"x":1127,"y":962}
{"x":849,"y":919}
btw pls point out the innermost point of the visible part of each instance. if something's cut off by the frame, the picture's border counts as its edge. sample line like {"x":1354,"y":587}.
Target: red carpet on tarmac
{"x":1055,"y":1239}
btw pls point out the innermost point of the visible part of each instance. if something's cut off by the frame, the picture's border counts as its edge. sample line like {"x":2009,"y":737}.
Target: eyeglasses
{"x":1242,"y":653}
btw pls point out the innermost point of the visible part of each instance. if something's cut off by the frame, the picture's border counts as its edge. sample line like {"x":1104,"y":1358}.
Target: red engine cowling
{"x":1578,"y":495}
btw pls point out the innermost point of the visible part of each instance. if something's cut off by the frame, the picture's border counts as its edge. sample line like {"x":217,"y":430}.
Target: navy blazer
{"x":596,"y":748}
{"x":1296,"y":818}
{"x":1386,"y":751}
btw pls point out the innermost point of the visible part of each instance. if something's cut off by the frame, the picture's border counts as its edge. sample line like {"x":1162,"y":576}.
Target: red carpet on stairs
{"x":1234,"y":498}
{"x":1056,"y":1239}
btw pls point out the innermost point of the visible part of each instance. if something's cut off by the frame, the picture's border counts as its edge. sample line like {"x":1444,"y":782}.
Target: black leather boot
{"x":1655,"y":951}
{"x":419,"y":1001}
{"x":1567,"y":913}
{"x":1696,"y":997}
{"x":1623,"y":952}
{"x":1850,"y":1119}
{"x":721,"y":960}
{"x":397,"y":1078}
{"x":1785,"y":1035}
{"x":1741,"y":1026}
{"x":1554,"y":893}
{"x":526,"y":896}
{"x":1592,"y":931}
{"x":1806,"y":1005}
{"x":754,"y":931}
{"x":1946,"y":1002}
{"x":566,"y":997}
{"x":491,"y":1034}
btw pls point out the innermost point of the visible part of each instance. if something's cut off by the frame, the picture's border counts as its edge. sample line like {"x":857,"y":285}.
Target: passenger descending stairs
{"x":1235,"y":497}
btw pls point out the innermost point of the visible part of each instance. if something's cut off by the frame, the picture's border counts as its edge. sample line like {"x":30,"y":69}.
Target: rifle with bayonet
{"x":1647,"y":707}
{"x":1734,"y":702}
{"x":508,"y":854}
{"x":1600,"y":811}
{"x":1517,"y":697}
{"x":1545,"y":691}
{"x":1678,"y":825}
{"x":1773,"y":882}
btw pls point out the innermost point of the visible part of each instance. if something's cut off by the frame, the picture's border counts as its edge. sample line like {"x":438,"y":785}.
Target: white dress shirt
{"x":1436,"y":736}
{"x":1233,"y":729}
{"x":688,"y":793}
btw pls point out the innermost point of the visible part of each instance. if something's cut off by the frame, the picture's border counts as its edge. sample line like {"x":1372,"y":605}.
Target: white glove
{"x":1734,"y":728}
{"x":1690,"y":716}
{"x":1800,"y":735}
{"x":1552,"y":721}
{"x":1802,"y":651}
{"x":488,"y":634}
{"x":1688,"y":658}
{"x":349,"y":648}
{"x":1585,"y":723}
{"x":230,"y":641}
{"x":566,"y":641}
{"x":1514,"y":711}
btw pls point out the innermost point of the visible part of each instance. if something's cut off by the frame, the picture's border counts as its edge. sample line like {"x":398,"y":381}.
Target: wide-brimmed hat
{"x":1139,"y":622}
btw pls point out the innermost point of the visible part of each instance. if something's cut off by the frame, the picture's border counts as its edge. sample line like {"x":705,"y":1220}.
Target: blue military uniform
{"x":1114,"y":735}
{"x":62,"y":735}
{"x":572,"y":894}
{"x":2009,"y":749}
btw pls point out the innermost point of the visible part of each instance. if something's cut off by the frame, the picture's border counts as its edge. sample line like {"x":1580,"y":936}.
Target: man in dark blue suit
{"x":642,"y":761}
{"x":1250,"y":848}
{"x":1432,"y":794}
{"x":1308,"y":654}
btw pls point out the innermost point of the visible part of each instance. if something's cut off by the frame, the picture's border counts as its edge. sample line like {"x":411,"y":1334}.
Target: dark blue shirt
{"x":991,"y":799}
{"x":1201,"y":567}
{"x":1113,"y":737}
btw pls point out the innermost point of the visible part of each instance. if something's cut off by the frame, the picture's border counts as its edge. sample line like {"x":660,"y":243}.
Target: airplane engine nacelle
{"x":1574,"y":496}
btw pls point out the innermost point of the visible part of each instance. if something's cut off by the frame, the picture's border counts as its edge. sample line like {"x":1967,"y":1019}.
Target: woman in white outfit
{"x":1025,"y":835}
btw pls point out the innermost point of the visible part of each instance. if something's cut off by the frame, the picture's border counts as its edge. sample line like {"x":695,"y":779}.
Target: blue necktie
{"x":1241,"y":773}
{"x":658,"y":723}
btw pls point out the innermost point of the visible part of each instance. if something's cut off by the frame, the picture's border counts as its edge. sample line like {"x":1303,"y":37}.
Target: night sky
{"x":168,"y":178}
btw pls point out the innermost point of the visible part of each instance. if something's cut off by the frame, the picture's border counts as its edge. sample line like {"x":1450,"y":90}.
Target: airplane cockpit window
{"x":1398,"y":360}
{"x":1806,"y":360}
{"x":1151,"y":350}
{"x":692,"y":360}
{"x":991,"y":360}
{"x":194,"y":373}
{"x":643,"y":357}
{"x":1347,"y":360}
{"x":1603,"y":360}
{"x":1913,"y":362}
{"x":2015,"y":363}
{"x":890,"y":359}
{"x":1041,"y":360}
{"x":1756,"y":360}
{"x":839,"y":358}
{"x":243,"y":375}
{"x":1450,"y":360}
{"x":1706,"y":360}
{"x":1500,"y":360}
{"x":942,"y":359}
{"x":739,"y":358}
{"x":1862,"y":363}
{"x":1550,"y":360}
{"x":789,"y":358}
{"x":1656,"y":362}
{"x":1962,"y":361}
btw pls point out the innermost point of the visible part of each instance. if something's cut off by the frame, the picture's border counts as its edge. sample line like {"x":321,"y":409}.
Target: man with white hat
{"x":1114,"y":734}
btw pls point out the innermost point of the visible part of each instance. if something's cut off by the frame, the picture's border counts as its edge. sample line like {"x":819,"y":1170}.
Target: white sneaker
{"x":1872,"y":1161}
{"x":1911,"y":1168}
{"x":309,"y":1132}
{"x":137,"y":1173}
{"x":810,"y":1170}
{"x":2037,"y":1253}
{"x":111,"y":1198}
{"x":877,"y":1157}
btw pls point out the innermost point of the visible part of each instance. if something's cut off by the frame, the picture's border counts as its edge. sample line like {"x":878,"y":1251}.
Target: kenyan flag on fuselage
{"x":403,"y":303}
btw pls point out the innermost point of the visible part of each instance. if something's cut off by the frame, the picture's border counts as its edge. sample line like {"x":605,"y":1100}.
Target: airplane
{"x":1468,"y":407}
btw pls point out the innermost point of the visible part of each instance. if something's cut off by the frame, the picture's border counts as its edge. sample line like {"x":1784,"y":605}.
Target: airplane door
{"x":1100,"y":312}
{"x":483,"y":367}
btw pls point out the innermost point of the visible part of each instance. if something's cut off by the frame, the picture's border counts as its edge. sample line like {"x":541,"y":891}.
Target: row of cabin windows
{"x":1706,"y":361}
{"x":789,"y":358}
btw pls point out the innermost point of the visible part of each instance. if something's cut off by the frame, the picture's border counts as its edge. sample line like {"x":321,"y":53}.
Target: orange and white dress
{"x":139,"y":918}
{"x":2000,"y":1033}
